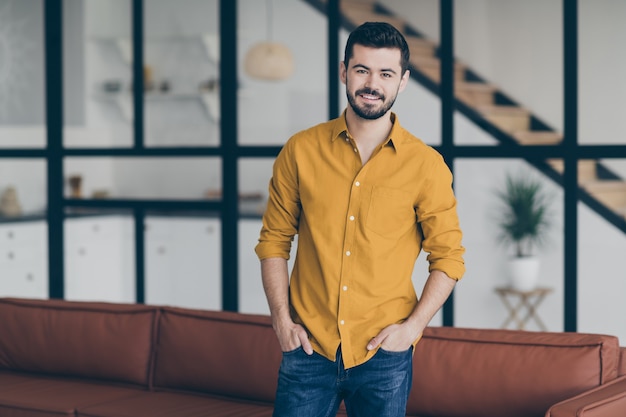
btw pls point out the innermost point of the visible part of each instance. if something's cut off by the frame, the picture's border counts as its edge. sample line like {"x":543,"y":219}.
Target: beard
{"x":369,"y":111}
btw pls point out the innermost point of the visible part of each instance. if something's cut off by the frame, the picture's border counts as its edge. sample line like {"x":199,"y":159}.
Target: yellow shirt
{"x":360,"y":229}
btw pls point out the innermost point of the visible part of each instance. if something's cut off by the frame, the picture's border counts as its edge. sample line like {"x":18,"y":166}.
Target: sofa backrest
{"x":95,"y":340}
{"x":221,"y":353}
{"x":622,"y":362}
{"x":492,"y":373}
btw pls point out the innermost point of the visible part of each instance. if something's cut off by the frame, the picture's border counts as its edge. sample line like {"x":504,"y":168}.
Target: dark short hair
{"x":378,"y":35}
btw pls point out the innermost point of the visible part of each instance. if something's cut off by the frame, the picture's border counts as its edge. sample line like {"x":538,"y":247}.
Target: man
{"x":364,"y":197}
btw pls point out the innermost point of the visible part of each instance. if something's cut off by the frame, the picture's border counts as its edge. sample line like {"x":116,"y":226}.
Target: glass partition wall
{"x":141,"y":170}
{"x":23,"y":176}
{"x":509,"y":91}
{"x":492,"y":257}
{"x":22,"y":75}
{"x":143,"y":146}
{"x":274,"y":102}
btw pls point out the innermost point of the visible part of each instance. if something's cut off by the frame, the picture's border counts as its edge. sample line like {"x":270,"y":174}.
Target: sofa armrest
{"x":607,"y":400}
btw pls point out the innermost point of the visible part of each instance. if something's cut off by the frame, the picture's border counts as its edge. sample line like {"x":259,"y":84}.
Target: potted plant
{"x":523,"y":222}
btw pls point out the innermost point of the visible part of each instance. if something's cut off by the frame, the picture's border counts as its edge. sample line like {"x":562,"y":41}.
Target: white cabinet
{"x":99,"y":259}
{"x":24,"y":259}
{"x":183,"y":262}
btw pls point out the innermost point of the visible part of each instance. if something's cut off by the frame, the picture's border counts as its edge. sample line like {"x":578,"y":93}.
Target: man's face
{"x":373,"y":80}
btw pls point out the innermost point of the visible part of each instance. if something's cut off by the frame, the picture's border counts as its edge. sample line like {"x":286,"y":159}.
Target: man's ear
{"x":342,"y":72}
{"x":405,"y":80}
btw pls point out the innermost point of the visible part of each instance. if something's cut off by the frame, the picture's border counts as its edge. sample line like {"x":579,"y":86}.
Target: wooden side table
{"x":527,"y":300}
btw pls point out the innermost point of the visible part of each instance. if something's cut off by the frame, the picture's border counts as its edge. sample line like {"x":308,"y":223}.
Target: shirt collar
{"x":340,"y":129}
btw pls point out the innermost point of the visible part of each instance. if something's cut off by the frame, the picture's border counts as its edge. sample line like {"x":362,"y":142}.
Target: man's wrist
{"x":281,"y":318}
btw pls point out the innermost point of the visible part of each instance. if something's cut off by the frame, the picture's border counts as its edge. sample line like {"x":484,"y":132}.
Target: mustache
{"x":370,"y":92}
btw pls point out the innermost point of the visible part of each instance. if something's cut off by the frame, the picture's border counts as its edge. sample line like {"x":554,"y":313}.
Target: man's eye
{"x":386,"y":75}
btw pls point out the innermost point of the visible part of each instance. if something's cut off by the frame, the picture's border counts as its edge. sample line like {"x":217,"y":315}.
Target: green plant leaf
{"x":524,"y":216}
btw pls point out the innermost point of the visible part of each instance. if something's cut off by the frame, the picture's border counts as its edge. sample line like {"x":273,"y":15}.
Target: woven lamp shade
{"x":269,"y":61}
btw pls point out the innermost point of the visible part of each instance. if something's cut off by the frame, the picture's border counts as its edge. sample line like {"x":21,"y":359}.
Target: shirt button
{"x":355,"y":150}
{"x":348,"y":253}
{"x":342,"y":322}
{"x":345,"y":288}
{"x":347,"y":139}
{"x":352,"y":218}
{"x":357,"y":183}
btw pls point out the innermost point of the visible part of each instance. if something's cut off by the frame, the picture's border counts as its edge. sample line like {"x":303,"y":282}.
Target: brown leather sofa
{"x":62,"y":358}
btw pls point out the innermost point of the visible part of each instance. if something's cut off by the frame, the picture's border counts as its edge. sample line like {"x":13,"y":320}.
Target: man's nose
{"x":370,"y":82}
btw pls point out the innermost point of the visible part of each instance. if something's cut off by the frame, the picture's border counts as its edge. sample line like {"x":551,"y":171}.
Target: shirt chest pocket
{"x":390,"y":212}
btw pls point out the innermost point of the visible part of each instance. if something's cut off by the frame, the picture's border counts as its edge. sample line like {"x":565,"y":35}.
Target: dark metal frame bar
{"x":230,"y":154}
{"x":53,"y":22}
{"x":570,"y":156}
{"x":446,"y":16}
{"x":138,"y":142}
{"x":334,"y":25}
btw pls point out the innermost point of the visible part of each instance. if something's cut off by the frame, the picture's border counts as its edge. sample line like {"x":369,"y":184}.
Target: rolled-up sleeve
{"x":282,"y":214}
{"x":437,"y":215}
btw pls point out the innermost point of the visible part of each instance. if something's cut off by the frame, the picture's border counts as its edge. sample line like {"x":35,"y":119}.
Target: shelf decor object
{"x":75,"y":181}
{"x":9,"y":203}
{"x":269,"y":60}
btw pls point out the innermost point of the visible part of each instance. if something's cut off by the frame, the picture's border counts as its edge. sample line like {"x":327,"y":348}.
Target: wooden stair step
{"x":586,"y":169}
{"x":360,"y":15}
{"x":611,"y":193}
{"x":356,"y":8}
{"x":510,"y":119}
{"x":431,"y":67}
{"x":420,"y":46}
{"x":352,"y":4}
{"x":538,"y":137}
{"x":614,"y":199}
{"x":604,"y":185}
{"x":475,"y":93}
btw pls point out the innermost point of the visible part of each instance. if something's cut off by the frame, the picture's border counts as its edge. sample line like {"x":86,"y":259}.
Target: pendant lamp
{"x":269,"y":60}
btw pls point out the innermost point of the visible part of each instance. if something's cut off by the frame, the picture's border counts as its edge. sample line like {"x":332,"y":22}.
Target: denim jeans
{"x":313,"y":386}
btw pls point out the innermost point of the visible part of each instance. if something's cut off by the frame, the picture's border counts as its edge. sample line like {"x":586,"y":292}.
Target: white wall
{"x":602,"y":63}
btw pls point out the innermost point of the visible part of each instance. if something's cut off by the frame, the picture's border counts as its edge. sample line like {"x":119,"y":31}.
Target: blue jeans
{"x":313,"y":386}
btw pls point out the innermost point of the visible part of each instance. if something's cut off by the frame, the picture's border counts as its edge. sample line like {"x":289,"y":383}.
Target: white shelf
{"x":210,"y":42}
{"x":123,"y":100}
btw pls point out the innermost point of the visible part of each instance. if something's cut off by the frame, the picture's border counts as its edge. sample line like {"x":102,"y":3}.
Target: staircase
{"x":495,"y":112}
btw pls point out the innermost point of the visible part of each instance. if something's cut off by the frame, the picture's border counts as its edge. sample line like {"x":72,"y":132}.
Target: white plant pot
{"x":524,"y":273}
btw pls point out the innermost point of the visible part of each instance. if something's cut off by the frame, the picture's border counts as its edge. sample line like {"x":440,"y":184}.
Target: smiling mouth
{"x":369,"y":95}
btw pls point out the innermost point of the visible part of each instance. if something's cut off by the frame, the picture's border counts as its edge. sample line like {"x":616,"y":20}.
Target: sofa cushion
{"x":222,"y":353}
{"x":175,"y":404}
{"x":10,"y":379}
{"x":95,"y":340}
{"x":493,"y":373}
{"x":36,"y":396}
